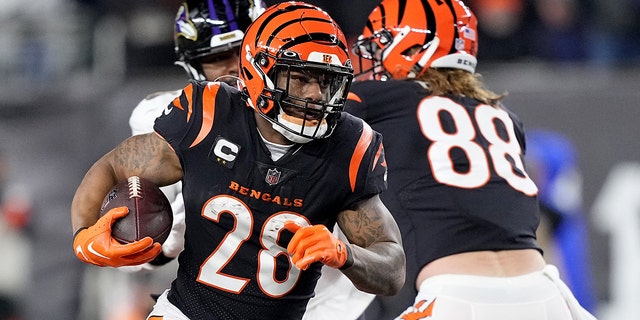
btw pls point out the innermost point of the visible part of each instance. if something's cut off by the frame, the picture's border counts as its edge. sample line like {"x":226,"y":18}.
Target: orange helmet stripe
{"x":286,"y":23}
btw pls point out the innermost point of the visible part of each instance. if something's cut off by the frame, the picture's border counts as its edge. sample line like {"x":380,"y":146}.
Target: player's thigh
{"x":165,"y":310}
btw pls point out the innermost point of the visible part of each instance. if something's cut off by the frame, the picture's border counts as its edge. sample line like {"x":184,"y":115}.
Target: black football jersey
{"x":235,"y":264}
{"x":457,"y":181}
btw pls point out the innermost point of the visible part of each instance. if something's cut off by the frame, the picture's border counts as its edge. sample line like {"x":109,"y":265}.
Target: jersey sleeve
{"x":189,"y":119}
{"x":175,"y":120}
{"x":368,"y":166}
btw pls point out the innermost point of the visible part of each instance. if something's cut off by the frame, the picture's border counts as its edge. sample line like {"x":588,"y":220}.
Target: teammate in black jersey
{"x":266,"y":173}
{"x":458,"y":188}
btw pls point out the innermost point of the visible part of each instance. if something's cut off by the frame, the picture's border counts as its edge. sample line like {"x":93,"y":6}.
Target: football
{"x":149,"y":215}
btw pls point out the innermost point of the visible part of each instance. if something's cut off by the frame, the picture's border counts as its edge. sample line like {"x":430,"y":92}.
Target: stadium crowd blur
{"x":53,"y":39}
{"x":50,"y":40}
{"x":58,"y":57}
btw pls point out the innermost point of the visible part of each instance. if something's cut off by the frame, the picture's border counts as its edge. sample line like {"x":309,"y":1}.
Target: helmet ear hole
{"x":262,"y":102}
{"x":262,"y":59}
{"x":385,"y":37}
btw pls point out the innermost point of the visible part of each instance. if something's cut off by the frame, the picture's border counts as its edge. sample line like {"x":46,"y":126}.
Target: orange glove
{"x":96,"y":246}
{"x":317,"y":244}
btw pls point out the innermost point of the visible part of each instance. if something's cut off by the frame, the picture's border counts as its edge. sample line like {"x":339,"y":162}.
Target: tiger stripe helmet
{"x":405,"y":37}
{"x":294,"y":36}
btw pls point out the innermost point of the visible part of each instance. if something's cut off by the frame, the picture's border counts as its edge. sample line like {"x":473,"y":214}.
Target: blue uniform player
{"x":551,"y":159}
{"x":266,"y":172}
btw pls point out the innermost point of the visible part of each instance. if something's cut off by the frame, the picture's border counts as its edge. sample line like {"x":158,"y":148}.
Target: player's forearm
{"x":376,"y":246}
{"x":147,"y":156}
{"x":379,"y":269}
{"x":85,"y":207}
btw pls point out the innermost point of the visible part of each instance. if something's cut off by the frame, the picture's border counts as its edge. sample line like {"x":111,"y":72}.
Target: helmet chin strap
{"x":193,"y":72}
{"x":289,"y":122}
{"x":231,"y":80}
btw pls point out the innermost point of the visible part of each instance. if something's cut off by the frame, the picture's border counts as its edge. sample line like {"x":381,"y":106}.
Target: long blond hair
{"x":443,"y":81}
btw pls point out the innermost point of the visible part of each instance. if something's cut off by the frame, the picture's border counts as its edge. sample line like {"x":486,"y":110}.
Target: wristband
{"x":78,"y":231}
{"x":349,"y":261}
{"x":160,"y":260}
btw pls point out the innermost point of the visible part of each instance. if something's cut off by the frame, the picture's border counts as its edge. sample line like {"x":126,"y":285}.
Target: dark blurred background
{"x":72,"y":71}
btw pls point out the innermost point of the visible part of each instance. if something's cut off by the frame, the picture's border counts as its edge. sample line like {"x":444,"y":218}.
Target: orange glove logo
{"x":315,"y":244}
{"x":95,"y":245}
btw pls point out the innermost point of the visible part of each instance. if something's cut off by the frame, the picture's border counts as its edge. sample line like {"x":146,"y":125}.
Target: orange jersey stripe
{"x":208,"y":110}
{"x":176,"y":102}
{"x":354,"y":97}
{"x":188,"y":92}
{"x":365,"y":140}
{"x":375,"y":160}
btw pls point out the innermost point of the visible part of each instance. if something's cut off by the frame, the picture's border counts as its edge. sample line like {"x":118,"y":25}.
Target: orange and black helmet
{"x":294,"y":36}
{"x":405,"y":37}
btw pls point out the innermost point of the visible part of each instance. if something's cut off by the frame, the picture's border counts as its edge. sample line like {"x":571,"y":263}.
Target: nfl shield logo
{"x":273,"y":176}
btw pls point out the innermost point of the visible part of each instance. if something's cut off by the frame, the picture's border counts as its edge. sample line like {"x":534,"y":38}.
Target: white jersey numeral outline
{"x":210,"y":271}
{"x":504,"y":155}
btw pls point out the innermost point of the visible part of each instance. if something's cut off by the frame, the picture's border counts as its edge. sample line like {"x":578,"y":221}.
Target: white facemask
{"x":295,"y":124}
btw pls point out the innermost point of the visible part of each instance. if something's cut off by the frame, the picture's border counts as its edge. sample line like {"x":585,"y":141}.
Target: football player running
{"x":458,"y":188}
{"x":207,"y":36}
{"x":266,"y":172}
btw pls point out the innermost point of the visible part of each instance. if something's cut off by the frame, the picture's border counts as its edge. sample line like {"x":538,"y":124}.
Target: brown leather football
{"x":149,"y":215}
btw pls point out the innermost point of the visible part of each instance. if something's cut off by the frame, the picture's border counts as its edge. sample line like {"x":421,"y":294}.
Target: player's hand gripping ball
{"x":150,"y":213}
{"x":135,"y":218}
